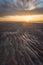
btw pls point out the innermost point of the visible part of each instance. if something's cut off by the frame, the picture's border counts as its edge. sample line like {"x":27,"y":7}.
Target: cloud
{"x":39,"y":3}
{"x":13,"y":6}
{"x":16,"y":4}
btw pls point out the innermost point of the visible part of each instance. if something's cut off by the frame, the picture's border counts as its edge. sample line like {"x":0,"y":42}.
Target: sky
{"x":14,"y":8}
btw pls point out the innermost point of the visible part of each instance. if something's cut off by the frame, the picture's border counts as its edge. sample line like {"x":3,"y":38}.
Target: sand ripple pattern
{"x":21,"y":49}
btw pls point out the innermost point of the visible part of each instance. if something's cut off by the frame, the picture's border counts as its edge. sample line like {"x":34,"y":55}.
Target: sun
{"x":27,"y":18}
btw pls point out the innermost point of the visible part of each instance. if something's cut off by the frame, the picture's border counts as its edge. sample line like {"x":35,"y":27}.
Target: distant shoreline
{"x":19,"y":22}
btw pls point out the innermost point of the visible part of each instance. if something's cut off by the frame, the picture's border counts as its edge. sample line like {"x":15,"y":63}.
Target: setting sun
{"x":27,"y":18}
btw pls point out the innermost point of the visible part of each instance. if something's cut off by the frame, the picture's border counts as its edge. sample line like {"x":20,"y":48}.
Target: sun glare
{"x":27,"y":18}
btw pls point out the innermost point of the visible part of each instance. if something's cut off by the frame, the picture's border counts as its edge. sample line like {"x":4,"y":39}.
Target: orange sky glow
{"x":26,"y":18}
